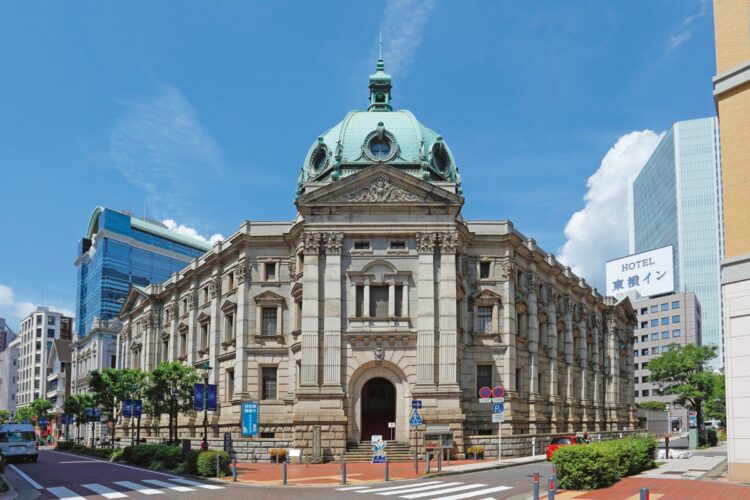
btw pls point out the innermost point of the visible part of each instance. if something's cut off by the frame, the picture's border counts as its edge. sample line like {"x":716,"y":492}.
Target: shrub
{"x":713,"y":437}
{"x":206,"y":463}
{"x":104,"y":453}
{"x":653,"y":405}
{"x":65,"y":445}
{"x":603,"y":463}
{"x":476,"y":451}
{"x":116,"y":456}
{"x":153,"y":455}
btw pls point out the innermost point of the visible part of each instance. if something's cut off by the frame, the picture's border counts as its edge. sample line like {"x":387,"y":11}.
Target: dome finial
{"x":380,"y":84}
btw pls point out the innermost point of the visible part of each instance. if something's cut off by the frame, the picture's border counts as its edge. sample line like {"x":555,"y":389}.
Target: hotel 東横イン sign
{"x":647,"y":273}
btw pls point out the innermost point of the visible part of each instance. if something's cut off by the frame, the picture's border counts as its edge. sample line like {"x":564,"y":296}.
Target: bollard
{"x":234,"y":470}
{"x":536,"y":485}
{"x":343,"y":472}
{"x":645,"y":495}
{"x":552,"y":489}
{"x":554,"y":476}
{"x":283,"y":473}
{"x":440,"y":460}
{"x":217,"y":465}
{"x":427,"y":462}
{"x":386,"y":469}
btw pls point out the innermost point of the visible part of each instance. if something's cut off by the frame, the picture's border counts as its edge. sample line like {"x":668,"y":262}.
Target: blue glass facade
{"x":676,"y":200}
{"x":118,"y":252}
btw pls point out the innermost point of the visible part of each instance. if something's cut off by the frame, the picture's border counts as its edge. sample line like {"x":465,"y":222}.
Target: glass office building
{"x":118,"y":251}
{"x":676,"y":200}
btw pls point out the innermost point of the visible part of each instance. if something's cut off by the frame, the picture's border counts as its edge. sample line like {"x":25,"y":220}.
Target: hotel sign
{"x":647,"y":273}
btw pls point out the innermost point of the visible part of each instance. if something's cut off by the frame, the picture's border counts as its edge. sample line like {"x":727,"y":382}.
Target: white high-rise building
{"x":37,"y":333}
{"x":9,"y":376}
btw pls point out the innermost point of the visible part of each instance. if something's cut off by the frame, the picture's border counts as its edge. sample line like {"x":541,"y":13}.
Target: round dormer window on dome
{"x":441,"y":160}
{"x":380,"y":145}
{"x":319,"y":159}
{"x":380,"y":148}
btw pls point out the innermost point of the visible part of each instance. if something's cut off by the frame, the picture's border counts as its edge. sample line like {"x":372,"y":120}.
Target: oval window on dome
{"x":440,"y":157}
{"x":380,"y":148}
{"x":319,"y":159}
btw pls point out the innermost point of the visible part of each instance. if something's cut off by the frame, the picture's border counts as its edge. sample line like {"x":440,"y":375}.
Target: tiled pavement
{"x":662,"y":489}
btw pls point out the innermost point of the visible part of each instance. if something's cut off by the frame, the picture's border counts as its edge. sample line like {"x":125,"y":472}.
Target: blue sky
{"x":202,"y":113}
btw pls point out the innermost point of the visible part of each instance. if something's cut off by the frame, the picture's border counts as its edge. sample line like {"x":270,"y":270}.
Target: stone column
{"x":552,"y":354}
{"x":310,"y":311}
{"x":583,"y":362}
{"x":405,"y":299}
{"x":192,"y":334}
{"x":242,"y":326}
{"x":214,"y":329}
{"x":332,"y":317}
{"x":391,"y":299}
{"x":426,"y":309}
{"x":532,"y":327}
{"x":613,"y":385}
{"x":568,"y":339}
{"x":448,"y":328}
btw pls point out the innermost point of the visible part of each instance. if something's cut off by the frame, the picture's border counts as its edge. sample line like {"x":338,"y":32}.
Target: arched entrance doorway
{"x":378,"y":408}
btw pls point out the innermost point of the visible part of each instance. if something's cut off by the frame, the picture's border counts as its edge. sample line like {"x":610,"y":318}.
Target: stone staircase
{"x":395,"y":451}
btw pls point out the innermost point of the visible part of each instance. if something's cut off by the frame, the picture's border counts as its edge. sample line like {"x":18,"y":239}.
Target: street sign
{"x":416,"y":403}
{"x":498,"y":407}
{"x":492,"y":400}
{"x":249,"y":418}
{"x":498,"y":392}
{"x":415,"y":418}
{"x":498,"y":418}
{"x":391,"y":425}
{"x":484,"y":393}
{"x":378,"y":448}
{"x":89,"y":414}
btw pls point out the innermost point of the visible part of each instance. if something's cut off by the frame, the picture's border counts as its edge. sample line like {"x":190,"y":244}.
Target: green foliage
{"x":23,"y":413}
{"x":475,"y":451}
{"x":156,"y":456}
{"x":41,"y":408}
{"x":4,"y":416}
{"x":596,"y":465}
{"x":170,"y":381}
{"x":116,"y":456}
{"x":206,"y":463}
{"x":73,"y":447}
{"x":653,"y":405}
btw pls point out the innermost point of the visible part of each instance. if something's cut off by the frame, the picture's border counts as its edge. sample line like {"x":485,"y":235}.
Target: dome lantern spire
{"x":380,"y":84}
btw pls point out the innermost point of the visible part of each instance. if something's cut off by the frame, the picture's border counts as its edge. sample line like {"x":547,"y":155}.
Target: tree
{"x":169,"y":389}
{"x":23,"y":413}
{"x":76,"y":405}
{"x":653,"y":405}
{"x":41,"y":408}
{"x":4,"y":416}
{"x":112,"y":386}
{"x":681,"y":372}
{"x":716,"y":408}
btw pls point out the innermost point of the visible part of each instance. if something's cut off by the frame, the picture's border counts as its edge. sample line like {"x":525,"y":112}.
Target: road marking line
{"x":353,"y":488}
{"x":137,"y":487}
{"x":64,"y":493}
{"x":447,"y":490}
{"x":476,"y":493}
{"x":196,"y":483}
{"x":164,"y":484}
{"x":104,"y":491}
{"x":419,"y":489}
{"x":26,"y":478}
{"x":404,"y":486}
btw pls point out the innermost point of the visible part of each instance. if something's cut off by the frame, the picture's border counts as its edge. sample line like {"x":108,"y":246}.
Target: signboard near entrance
{"x":378,"y":449}
{"x":249,"y":418}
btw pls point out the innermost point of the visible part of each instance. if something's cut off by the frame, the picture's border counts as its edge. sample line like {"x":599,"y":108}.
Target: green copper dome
{"x":378,"y":135}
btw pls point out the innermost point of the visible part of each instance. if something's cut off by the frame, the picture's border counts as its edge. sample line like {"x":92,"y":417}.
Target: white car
{"x":712,"y":424}
{"x":18,"y":441}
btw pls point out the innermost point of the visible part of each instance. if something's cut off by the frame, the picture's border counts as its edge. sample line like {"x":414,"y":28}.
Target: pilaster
{"x":310,"y":311}
{"x":426,"y":305}
{"x":332,"y":317}
{"x":242,"y":327}
{"x":447,"y":321}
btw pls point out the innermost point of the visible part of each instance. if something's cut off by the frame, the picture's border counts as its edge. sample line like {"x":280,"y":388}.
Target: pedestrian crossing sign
{"x":415,"y":418}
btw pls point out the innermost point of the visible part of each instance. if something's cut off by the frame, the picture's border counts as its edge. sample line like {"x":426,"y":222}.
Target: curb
{"x":11,"y":493}
{"x":488,"y":467}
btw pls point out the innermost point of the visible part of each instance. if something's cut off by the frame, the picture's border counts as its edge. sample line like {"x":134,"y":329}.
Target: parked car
{"x":561,"y":441}
{"x":19,"y":441}
{"x":712,"y":424}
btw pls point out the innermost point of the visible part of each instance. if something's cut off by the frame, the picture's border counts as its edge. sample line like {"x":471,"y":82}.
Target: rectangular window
{"x":230,"y":281}
{"x":675,"y":333}
{"x":655,"y":350}
{"x":644,"y":324}
{"x":269,"y":322}
{"x":484,"y":376}
{"x":164,"y":350}
{"x":229,"y":392}
{"x":204,"y":335}
{"x":665,"y":307}
{"x":184,"y":306}
{"x":654,"y":322}
{"x":50,"y":333}
{"x":38,"y":320}
{"x":38,"y":333}
{"x":676,"y":304}
{"x":229,"y":326}
{"x":379,"y":301}
{"x":183,"y":344}
{"x":635,"y":353}
{"x":270,"y":273}
{"x":268,"y":377}
{"x":665,"y":321}
{"x":398,"y":245}
{"x":484,"y":319}
{"x":113,"y":361}
{"x":644,"y":338}
{"x":540,"y":383}
{"x":676,"y":318}
{"x":484,"y":270}
{"x":50,"y":320}
{"x":359,"y":301}
{"x":645,"y":392}
{"x":399,"y":299}
{"x":362,"y":245}
{"x":644,"y":310}
{"x":655,"y":336}
{"x":654,"y":308}
{"x":644,"y":352}
{"x":665,"y":335}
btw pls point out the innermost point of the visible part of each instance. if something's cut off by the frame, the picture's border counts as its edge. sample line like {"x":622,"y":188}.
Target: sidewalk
{"x":329,"y":474}
{"x":689,"y":468}
{"x":661,"y":489}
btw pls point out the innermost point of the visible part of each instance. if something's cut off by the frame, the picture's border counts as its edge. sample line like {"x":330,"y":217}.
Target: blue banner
{"x":43,"y":422}
{"x":97,"y":414}
{"x":212,"y":397}
{"x":198,"y":397}
{"x":89,"y":414}
{"x":127,"y":408}
{"x":249,"y":418}
{"x":137,"y":408}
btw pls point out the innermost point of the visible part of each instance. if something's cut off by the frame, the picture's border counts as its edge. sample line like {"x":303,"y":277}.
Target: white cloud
{"x":599,"y":232}
{"x":160,"y":147}
{"x":404,"y":22}
{"x":684,"y":32}
{"x":189,"y":231}
{"x":14,"y":310}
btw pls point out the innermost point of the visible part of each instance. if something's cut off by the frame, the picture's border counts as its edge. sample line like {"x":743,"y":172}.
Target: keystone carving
{"x":426,"y":242}
{"x":334,"y":243}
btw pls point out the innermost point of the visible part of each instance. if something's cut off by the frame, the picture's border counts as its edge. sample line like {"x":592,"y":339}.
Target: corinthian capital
{"x":448,"y":242}
{"x":311,"y":242}
{"x":426,"y":242}
{"x":334,"y":243}
{"x":240,"y":271}
{"x":532,"y":283}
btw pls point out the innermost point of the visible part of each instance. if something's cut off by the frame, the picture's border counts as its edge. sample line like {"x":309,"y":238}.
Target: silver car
{"x":18,"y":441}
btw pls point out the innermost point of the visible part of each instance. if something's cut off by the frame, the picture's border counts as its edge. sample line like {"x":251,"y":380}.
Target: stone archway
{"x":378,"y":407}
{"x":388,"y":373}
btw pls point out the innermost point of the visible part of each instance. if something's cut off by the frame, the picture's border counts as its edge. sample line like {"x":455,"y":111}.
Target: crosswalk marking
{"x":476,"y":493}
{"x":391,"y":488}
{"x":164,"y":484}
{"x":64,"y":493}
{"x":444,"y":491}
{"x":104,"y":491}
{"x":195,"y":483}
{"x":353,"y":488}
{"x":419,"y":490}
{"x":137,"y":487}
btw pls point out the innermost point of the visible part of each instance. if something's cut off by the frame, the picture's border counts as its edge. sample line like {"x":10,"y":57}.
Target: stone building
{"x":378,"y":293}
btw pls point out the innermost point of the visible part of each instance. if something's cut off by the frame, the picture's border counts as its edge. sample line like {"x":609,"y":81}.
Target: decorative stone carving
{"x":169,"y":310}
{"x":507,"y":270}
{"x":448,"y":242}
{"x":190,"y":301}
{"x":381,"y":190}
{"x":311,"y":242}
{"x":240,"y":271}
{"x":291,"y":264}
{"x":379,"y":353}
{"x":214,"y":286}
{"x":426,"y":242}
{"x":554,"y":293}
{"x":568,"y":304}
{"x":532,"y":283}
{"x":334,"y":243}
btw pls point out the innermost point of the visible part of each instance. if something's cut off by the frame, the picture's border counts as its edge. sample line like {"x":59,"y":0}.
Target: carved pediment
{"x":202,"y":317}
{"x":182,"y":327}
{"x":228,"y":306}
{"x":268,"y":298}
{"x":382,"y":189}
{"x":486,"y":295}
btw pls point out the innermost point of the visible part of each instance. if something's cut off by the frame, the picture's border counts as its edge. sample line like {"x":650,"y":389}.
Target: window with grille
{"x":360,"y":301}
{"x":269,"y":382}
{"x":484,"y":376}
{"x":269,"y":322}
{"x":399,"y":298}
{"x":379,"y":301}
{"x":484,"y":270}
{"x":204,"y":335}
{"x":484,"y":319}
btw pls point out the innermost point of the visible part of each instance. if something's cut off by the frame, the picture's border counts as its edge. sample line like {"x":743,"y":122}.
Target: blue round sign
{"x":498,"y":407}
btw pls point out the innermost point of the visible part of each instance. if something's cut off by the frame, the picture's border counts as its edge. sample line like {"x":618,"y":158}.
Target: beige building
{"x":379,"y":293}
{"x":732,"y":95}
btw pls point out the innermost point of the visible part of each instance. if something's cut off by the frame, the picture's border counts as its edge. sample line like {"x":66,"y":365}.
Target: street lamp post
{"x":173,"y":427}
{"x":205,"y":369}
